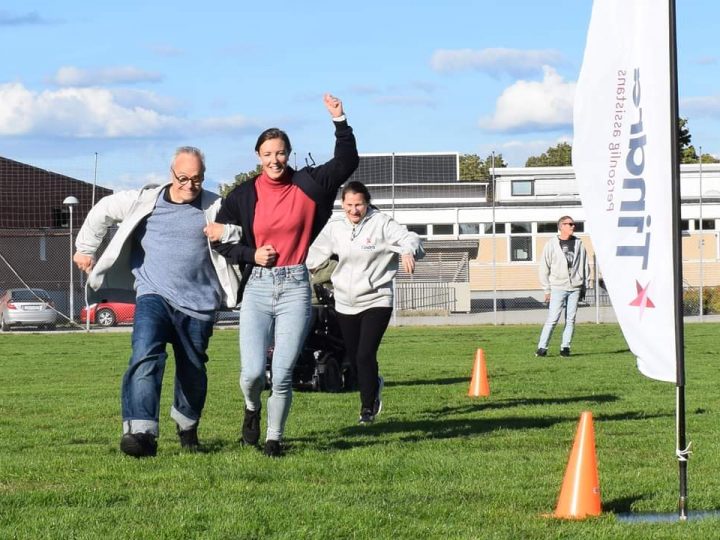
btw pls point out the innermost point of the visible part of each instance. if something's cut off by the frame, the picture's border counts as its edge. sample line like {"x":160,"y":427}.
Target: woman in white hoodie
{"x":367,"y":244}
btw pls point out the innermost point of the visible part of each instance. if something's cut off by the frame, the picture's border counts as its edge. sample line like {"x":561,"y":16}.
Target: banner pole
{"x":682,"y":451}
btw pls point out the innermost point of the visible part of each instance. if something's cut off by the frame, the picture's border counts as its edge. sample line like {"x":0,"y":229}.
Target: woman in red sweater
{"x":281,"y":211}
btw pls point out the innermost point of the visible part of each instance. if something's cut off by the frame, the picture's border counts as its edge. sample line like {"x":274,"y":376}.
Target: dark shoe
{"x":565,"y":351}
{"x":139,"y":444}
{"x":541,"y":352}
{"x":189,"y":439}
{"x":273,"y":448}
{"x":377,"y":405}
{"x":366,"y":417}
{"x":251,"y":427}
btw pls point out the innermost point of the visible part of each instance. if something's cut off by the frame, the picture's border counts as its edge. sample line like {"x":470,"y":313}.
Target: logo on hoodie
{"x":368,"y":244}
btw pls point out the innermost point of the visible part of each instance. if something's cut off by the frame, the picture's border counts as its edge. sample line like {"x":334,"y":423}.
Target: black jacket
{"x":319,"y":183}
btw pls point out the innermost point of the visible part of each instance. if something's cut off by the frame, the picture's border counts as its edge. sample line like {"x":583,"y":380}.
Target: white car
{"x":32,"y":307}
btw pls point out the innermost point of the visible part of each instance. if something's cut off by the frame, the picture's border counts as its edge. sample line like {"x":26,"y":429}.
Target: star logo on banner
{"x":642,"y":300}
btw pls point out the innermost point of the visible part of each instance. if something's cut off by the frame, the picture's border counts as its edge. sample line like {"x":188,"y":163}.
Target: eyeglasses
{"x":182,"y":180}
{"x":570,"y":224}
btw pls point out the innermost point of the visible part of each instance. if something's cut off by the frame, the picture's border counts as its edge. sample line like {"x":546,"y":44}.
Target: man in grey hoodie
{"x":564,"y":274}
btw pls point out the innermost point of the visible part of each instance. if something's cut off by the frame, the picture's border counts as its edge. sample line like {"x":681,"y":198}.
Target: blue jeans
{"x":157,"y":324}
{"x":275,"y":309}
{"x":560,"y":299}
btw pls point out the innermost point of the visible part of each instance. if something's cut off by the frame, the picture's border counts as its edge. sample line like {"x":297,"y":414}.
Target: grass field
{"x":436,"y":464}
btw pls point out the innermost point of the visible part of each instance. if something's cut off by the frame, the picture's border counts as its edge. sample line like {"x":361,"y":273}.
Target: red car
{"x":115,"y":306}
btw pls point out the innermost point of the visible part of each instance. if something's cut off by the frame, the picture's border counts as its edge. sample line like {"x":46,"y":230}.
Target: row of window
{"x":476,"y":229}
{"x":524,"y":227}
{"x":521,"y":232}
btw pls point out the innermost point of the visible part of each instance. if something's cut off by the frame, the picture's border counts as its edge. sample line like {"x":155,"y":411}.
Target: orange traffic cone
{"x":580,"y":492}
{"x":479,"y":383}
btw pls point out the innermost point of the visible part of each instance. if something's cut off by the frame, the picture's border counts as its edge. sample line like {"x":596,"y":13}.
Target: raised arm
{"x":334,"y":173}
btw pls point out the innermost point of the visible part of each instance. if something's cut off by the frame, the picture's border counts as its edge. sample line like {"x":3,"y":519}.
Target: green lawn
{"x":436,"y":464}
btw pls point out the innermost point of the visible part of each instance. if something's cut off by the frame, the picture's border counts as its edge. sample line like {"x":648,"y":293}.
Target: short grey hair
{"x":193,"y":151}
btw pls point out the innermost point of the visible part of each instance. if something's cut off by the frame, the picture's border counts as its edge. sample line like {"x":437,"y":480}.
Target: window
{"x":521,"y":227}
{"x":547,"y":227}
{"x":521,"y":241}
{"x":418,"y":229}
{"x":469,"y":228}
{"x":444,"y":228}
{"x":685,"y":224}
{"x":520,"y":248}
{"x":708,"y":224}
{"x":522,"y":187}
{"x":552,"y":227}
{"x":499,"y":228}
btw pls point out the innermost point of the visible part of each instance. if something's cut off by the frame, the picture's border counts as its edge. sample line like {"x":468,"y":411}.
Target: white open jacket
{"x":128,"y":209}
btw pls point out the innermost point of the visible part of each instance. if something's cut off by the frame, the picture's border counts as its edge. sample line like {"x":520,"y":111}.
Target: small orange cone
{"x":479,"y":384}
{"x":580,"y":492}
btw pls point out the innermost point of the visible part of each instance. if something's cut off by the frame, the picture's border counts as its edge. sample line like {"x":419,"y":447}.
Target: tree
{"x":555,"y":156}
{"x":473,"y":168}
{"x":684,"y":136}
{"x":688,"y":154}
{"x":239,"y":179}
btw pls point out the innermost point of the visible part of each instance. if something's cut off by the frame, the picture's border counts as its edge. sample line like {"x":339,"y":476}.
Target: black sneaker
{"x":251,"y":427}
{"x":139,"y":444}
{"x":377,"y":405}
{"x":189,"y":439}
{"x":273,"y":448}
{"x":541,"y":352}
{"x":366,"y":417}
{"x":565,"y":351}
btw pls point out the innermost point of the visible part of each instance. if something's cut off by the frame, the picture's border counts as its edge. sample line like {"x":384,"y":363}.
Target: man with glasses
{"x":161,"y":251}
{"x":564,"y":274}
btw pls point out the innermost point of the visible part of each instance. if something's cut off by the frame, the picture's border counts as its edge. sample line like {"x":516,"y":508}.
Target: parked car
{"x":32,"y":307}
{"x":112,"y":307}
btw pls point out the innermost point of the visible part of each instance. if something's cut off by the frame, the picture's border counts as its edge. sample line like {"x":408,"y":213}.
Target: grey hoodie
{"x":367,"y":258}
{"x":553,"y":270}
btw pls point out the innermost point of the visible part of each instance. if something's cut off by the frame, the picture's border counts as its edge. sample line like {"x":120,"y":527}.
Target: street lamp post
{"x":70,"y":202}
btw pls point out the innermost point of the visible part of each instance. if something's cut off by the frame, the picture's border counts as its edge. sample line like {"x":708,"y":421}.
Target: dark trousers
{"x":362,"y":334}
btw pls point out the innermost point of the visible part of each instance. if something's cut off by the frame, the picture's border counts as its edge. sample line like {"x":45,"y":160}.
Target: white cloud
{"x":495,"y":62}
{"x":131,"y":97}
{"x":534,"y":106}
{"x":74,"y":76}
{"x":701,"y":105}
{"x":96,"y":112}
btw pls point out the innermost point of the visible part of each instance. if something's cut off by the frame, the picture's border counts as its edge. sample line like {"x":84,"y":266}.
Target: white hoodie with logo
{"x":368,"y":256}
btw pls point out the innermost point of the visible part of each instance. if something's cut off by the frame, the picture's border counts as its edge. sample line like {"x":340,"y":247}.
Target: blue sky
{"x":133,"y":80}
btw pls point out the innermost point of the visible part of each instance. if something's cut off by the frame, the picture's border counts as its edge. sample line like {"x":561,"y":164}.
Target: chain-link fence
{"x":41,"y":261}
{"x":446,"y":285}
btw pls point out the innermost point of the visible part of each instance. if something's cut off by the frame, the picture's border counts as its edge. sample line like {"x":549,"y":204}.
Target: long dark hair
{"x":273,"y":133}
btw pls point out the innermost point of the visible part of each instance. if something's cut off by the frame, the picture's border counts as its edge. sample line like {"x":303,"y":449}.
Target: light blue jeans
{"x":275,"y":310}
{"x":560,"y":299}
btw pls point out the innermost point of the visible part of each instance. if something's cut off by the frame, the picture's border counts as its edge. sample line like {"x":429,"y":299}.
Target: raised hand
{"x":334,"y":105}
